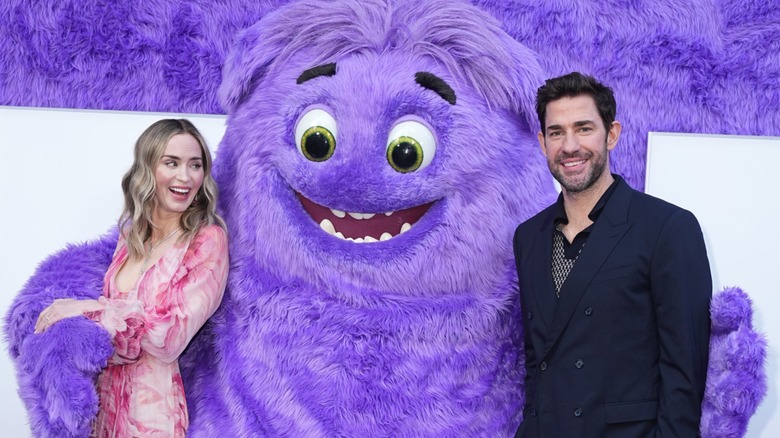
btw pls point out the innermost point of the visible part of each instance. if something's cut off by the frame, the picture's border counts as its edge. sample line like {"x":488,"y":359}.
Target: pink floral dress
{"x":141,"y":391}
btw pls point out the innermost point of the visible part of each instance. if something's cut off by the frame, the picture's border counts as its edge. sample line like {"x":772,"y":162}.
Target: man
{"x":614,"y":285}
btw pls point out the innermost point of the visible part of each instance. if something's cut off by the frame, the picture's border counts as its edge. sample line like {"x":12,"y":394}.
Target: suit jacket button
{"x":588,"y":311}
{"x":578,"y":412}
{"x":579,"y":363}
{"x":530,"y":315}
{"x":532,"y":412}
{"x":543,"y":366}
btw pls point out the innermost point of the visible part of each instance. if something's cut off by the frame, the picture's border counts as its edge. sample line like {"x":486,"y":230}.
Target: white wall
{"x":60,"y":183}
{"x":731,"y":184}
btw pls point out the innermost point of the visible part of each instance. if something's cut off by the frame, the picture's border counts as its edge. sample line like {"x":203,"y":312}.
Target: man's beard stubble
{"x":595,"y":170}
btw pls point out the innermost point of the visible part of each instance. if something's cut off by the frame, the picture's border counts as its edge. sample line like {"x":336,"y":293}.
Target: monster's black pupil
{"x":404,"y":155}
{"x":317,"y":145}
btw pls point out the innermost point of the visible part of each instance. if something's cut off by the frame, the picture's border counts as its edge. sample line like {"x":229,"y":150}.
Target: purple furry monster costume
{"x":413,"y":336}
{"x":318,"y":336}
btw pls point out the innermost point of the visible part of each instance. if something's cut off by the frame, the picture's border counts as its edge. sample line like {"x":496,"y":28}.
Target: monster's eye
{"x":410,"y":146}
{"x":315,"y":135}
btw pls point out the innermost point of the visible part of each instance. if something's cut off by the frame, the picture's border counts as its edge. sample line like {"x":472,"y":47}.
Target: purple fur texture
{"x":736,"y":381}
{"x":150,"y":55}
{"x":414,"y":336}
{"x":701,"y":66}
{"x":56,"y":369}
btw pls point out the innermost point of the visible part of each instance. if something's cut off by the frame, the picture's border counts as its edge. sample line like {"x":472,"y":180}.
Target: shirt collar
{"x":560,"y":212}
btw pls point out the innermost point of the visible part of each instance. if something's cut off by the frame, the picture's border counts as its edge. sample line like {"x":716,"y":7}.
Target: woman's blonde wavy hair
{"x":138,"y":186}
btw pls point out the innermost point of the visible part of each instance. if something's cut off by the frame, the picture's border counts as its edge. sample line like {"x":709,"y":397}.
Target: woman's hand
{"x":64,"y":308}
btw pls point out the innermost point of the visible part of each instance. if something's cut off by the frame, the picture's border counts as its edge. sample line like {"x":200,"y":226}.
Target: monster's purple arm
{"x":56,"y":369}
{"x":736,"y":380}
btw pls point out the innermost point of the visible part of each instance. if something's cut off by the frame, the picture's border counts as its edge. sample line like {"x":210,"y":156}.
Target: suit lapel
{"x":606,"y":234}
{"x":544,"y":290}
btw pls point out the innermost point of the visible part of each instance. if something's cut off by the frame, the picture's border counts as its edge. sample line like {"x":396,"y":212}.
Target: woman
{"x":166,"y":278}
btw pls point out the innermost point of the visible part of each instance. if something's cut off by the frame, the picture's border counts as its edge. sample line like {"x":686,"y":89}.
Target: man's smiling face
{"x":576,"y":143}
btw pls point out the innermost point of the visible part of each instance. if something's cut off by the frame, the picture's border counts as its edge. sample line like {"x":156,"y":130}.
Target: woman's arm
{"x":163,"y":329}
{"x":170,"y":326}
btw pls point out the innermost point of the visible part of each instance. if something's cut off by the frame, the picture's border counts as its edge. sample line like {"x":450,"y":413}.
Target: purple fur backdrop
{"x":708,"y":66}
{"x":418,"y":335}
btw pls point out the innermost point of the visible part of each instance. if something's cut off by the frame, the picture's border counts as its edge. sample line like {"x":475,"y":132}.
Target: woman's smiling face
{"x":178,"y":175}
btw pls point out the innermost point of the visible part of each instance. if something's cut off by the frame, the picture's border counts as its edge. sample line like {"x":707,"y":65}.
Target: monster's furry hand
{"x":56,"y":369}
{"x":736,"y":380}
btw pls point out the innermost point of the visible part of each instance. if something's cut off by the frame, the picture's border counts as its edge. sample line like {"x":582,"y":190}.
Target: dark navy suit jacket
{"x":623,"y":352}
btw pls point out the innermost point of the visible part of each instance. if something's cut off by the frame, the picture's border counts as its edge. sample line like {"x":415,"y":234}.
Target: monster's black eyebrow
{"x":435,"y":84}
{"x":320,"y":70}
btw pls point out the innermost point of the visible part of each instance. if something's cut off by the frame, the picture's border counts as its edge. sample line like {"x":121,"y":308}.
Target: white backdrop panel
{"x":730,"y":184}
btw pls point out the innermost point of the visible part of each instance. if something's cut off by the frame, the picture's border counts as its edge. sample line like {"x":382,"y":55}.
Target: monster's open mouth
{"x":363,"y":227}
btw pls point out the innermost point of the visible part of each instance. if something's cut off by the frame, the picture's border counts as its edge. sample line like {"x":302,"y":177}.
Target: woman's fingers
{"x":63,"y":308}
{"x":43,"y":321}
{"x":48,"y":316}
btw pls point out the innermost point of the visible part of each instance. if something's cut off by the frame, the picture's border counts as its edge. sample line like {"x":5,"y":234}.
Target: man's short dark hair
{"x":572,"y":85}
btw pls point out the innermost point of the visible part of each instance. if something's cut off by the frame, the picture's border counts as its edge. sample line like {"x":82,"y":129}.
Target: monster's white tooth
{"x":405,"y":227}
{"x":350,"y":239}
{"x":369,"y":239}
{"x":360,"y":216}
{"x":338,"y":213}
{"x":389,"y":213}
{"x":339,"y":234}
{"x":327,"y":226}
{"x":385,"y":236}
{"x":358,"y":240}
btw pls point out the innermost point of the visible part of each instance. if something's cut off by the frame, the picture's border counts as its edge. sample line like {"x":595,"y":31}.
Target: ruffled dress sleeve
{"x":124,"y":321}
{"x":172,"y":303}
